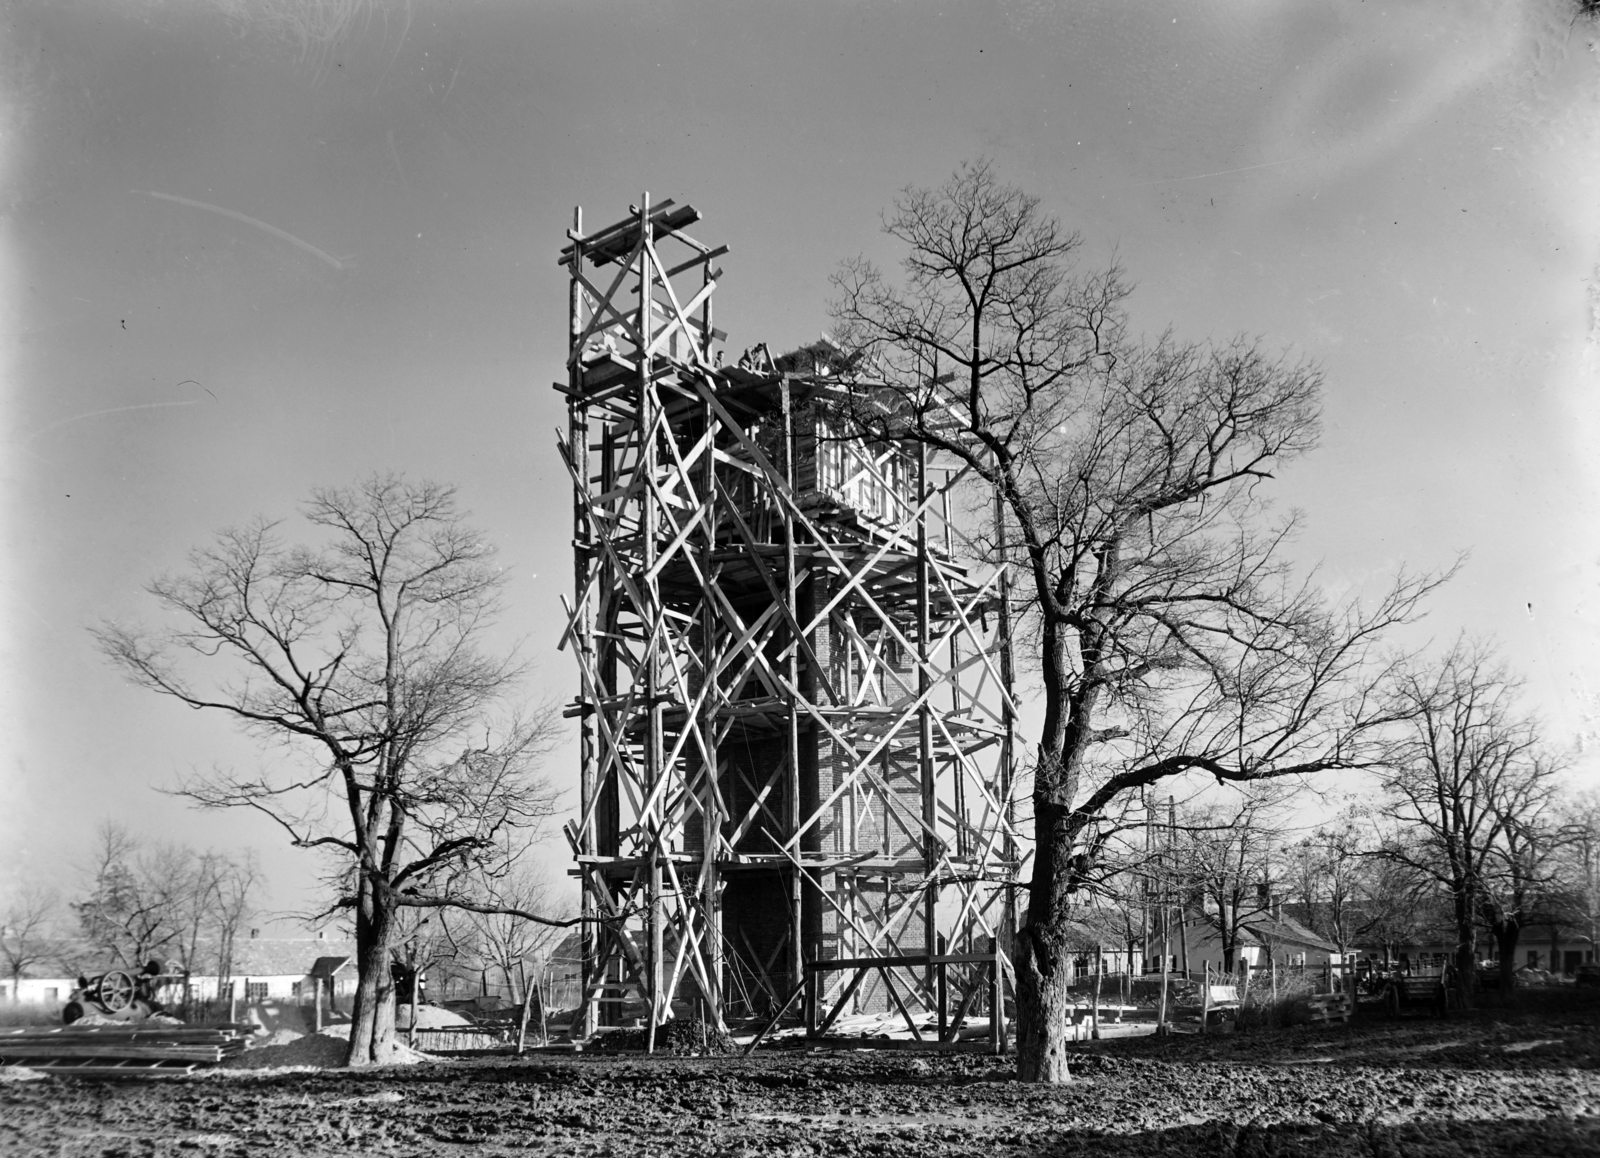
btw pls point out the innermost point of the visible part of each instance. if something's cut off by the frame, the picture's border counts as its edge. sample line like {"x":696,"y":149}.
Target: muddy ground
{"x":1525,"y":1083}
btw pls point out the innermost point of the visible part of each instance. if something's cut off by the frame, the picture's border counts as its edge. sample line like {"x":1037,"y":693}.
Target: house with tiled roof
{"x":282,"y":969}
{"x":1265,"y":936}
{"x":1284,"y":940}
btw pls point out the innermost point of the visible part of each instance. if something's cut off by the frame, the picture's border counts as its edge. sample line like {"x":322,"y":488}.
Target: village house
{"x":1265,"y":938}
{"x":278,"y":969}
{"x":264,"y":969}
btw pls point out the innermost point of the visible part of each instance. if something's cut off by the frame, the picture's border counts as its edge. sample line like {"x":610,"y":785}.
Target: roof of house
{"x":327,"y":967}
{"x":1283,"y":929}
{"x":1263,"y":928}
{"x":1104,"y":929}
{"x":569,"y":949}
{"x":285,"y":956}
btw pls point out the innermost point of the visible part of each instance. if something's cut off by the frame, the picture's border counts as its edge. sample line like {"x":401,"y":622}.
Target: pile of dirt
{"x":431,"y":1017}
{"x":325,"y":1050}
{"x":154,"y":1021}
{"x":286,"y":1048}
{"x":680,"y":1037}
{"x":276,"y":1037}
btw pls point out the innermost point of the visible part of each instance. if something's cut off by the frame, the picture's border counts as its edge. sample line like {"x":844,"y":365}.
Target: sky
{"x":248,"y":247}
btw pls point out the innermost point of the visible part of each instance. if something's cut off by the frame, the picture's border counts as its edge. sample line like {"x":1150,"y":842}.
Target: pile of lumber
{"x":101,"y":1050}
{"x":462,"y":1038}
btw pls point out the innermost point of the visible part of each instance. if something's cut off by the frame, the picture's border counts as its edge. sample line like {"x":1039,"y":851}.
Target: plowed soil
{"x":1485,"y":1084}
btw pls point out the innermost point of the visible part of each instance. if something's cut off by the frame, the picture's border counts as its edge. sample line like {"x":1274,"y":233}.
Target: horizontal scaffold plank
{"x":910,"y":962}
{"x":618,"y":239}
{"x":860,"y":863}
{"x":112,"y":1069}
{"x":192,"y":1053}
{"x":120,"y":1033}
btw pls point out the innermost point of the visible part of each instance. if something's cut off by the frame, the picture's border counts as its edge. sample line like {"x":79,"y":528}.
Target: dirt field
{"x":1495,"y":1083}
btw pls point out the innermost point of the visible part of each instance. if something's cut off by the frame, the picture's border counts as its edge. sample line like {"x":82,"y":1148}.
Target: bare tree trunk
{"x":1044,"y":1017}
{"x":1099,"y":975}
{"x":372,"y":1016}
{"x":522,"y":1023}
{"x":1466,"y":958}
{"x":1506,"y":935}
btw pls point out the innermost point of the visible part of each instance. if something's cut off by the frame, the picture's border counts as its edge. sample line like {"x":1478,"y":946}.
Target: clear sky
{"x":252,"y":246}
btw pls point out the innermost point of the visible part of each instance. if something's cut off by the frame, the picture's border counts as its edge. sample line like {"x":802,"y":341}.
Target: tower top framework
{"x":797,"y":726}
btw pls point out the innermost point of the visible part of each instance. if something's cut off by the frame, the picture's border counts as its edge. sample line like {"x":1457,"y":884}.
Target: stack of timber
{"x":462,"y":1039}
{"x":107,"y":1050}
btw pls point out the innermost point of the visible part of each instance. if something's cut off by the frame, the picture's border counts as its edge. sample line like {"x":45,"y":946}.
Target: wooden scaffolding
{"x":797,"y":728}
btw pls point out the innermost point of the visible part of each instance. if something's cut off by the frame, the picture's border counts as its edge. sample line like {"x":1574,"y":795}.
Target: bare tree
{"x":1468,"y":786}
{"x":27,"y":931}
{"x":134,"y":906}
{"x":164,"y":901}
{"x":1524,"y":878}
{"x":509,"y":943}
{"x":1576,"y":900}
{"x":232,"y":887}
{"x":1323,"y":873}
{"x":459,"y":956}
{"x":1394,"y":904}
{"x":1167,"y":634}
{"x":1224,"y":856}
{"x":361,"y":657}
{"x":213,"y":898}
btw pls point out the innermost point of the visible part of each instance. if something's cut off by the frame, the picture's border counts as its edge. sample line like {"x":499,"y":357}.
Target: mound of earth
{"x":314,"y":1050}
{"x":276,"y":1037}
{"x":154,"y":1021}
{"x":433,"y":1017}
{"x":325,"y":1050}
{"x":681,"y":1037}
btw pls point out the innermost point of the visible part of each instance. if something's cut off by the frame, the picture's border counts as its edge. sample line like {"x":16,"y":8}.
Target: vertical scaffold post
{"x":578,"y":446}
{"x":653,"y":770}
{"x":997,"y":1004}
{"x":711,"y":804}
{"x":797,"y":961}
{"x":925,"y":766}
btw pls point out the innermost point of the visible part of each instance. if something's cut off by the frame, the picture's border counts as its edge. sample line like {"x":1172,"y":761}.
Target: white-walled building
{"x":264,"y":969}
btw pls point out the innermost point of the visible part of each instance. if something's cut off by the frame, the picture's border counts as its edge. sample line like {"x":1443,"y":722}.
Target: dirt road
{"x":1436,"y":1089}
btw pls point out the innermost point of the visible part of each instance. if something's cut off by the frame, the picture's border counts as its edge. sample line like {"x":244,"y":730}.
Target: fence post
{"x":1161,"y":1007}
{"x":997,"y":1004}
{"x":1205,"y":999}
{"x":1094,"y":1008}
{"x":527,"y":1009}
{"x":411,"y":1030}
